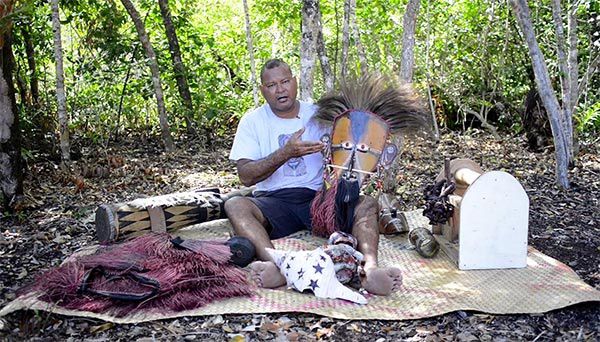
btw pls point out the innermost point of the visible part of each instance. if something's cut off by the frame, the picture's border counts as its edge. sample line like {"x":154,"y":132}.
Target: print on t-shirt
{"x":295,"y":166}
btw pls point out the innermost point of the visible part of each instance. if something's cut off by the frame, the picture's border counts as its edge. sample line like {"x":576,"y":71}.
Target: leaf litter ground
{"x":59,"y":218}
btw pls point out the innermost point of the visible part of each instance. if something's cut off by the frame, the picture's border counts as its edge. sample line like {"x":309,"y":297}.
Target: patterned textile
{"x":313,"y":270}
{"x":430,"y":287}
{"x":345,"y":262}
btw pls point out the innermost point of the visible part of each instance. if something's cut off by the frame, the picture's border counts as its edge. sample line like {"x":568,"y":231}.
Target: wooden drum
{"x":161,"y":213}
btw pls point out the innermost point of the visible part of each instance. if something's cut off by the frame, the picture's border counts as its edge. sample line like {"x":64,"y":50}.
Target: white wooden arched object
{"x":494,"y":217}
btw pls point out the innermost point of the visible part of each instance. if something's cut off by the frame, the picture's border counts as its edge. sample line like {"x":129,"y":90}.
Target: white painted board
{"x":494,"y":217}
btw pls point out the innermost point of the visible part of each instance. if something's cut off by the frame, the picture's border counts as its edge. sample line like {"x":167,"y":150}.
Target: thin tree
{"x":22,"y":88}
{"x":61,"y":97}
{"x":251,"y":55}
{"x":11,"y":165}
{"x":557,"y":116}
{"x":350,"y":33}
{"x":567,"y":67}
{"x":33,"y":78}
{"x":152,"y":62}
{"x":407,"y":63}
{"x":345,"y":37}
{"x":307,"y":49}
{"x":428,"y":43}
{"x":336,"y":49}
{"x":561,"y":114}
{"x":360,"y":50}
{"x":178,"y":66}
{"x":328,"y":75}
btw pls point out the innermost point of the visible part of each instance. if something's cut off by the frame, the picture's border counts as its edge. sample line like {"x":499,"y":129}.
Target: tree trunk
{"x":160,"y":102}
{"x":11,"y":165}
{"x":564,"y":74}
{"x":251,"y":55}
{"x":362,"y":56}
{"x":33,"y":79}
{"x":544,"y":85}
{"x":178,"y":67}
{"x":436,"y":129}
{"x":561,"y":47}
{"x":573,"y":69}
{"x":408,"y":41}
{"x":123,"y":89}
{"x":22,"y":89}
{"x":328,"y":76}
{"x":61,"y":98}
{"x":307,"y":49}
{"x":346,"y":37}
{"x":336,"y":51}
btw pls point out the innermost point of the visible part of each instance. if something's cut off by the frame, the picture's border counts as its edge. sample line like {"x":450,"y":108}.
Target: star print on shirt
{"x":318,"y":268}
{"x":313,"y":284}
{"x":300,"y":274}
{"x":323,"y":258}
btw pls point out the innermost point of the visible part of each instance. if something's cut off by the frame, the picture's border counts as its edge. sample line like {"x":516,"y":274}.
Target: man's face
{"x":279,"y":88}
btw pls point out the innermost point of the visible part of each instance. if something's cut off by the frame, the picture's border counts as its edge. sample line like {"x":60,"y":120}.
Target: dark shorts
{"x":287,"y":210}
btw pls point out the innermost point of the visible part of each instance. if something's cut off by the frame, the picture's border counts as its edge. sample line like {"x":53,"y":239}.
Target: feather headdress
{"x":397,"y":104}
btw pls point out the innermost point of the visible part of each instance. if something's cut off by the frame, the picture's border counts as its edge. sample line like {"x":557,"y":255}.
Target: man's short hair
{"x":271,"y":64}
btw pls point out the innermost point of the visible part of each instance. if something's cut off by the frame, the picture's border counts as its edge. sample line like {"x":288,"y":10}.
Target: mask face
{"x":357,"y":143}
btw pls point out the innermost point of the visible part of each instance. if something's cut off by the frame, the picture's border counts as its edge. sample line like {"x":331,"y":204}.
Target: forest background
{"x":80,"y":70}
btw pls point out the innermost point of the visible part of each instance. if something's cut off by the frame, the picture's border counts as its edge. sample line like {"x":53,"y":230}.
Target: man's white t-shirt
{"x":261,"y":133}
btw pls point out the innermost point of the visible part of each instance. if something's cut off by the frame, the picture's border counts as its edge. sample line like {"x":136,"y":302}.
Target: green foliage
{"x":476,"y":60}
{"x":589,"y":119}
{"x":27,"y":155}
{"x":469,"y":53}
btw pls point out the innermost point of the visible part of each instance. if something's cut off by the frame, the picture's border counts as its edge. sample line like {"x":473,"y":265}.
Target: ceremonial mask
{"x":357,"y":145}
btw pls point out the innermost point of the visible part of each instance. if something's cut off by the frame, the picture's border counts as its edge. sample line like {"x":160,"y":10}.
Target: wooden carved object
{"x":462,"y":172}
{"x":161,"y":213}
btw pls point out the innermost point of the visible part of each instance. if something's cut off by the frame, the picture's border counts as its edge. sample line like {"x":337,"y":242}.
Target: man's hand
{"x":254,"y":171}
{"x":295,"y":147}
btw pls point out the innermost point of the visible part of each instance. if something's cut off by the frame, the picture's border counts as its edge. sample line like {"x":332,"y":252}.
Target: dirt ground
{"x":59,"y":219}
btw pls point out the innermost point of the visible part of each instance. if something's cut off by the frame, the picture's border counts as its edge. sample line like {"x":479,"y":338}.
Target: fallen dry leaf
{"x":237,"y":338}
{"x":324,"y":332}
{"x":269,"y":326}
{"x":100,"y":328}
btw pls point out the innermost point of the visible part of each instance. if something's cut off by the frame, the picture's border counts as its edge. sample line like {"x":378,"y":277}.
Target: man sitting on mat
{"x":277,"y":147}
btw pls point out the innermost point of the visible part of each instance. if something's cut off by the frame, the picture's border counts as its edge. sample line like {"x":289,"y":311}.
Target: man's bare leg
{"x":376,"y":280}
{"x":248,"y":221}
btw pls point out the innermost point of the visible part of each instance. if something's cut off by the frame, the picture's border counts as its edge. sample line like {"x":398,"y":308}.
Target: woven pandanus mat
{"x":431,"y":286}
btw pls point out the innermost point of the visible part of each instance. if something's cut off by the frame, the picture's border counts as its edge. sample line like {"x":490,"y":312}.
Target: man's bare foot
{"x":266,"y":274}
{"x":381,"y":280}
